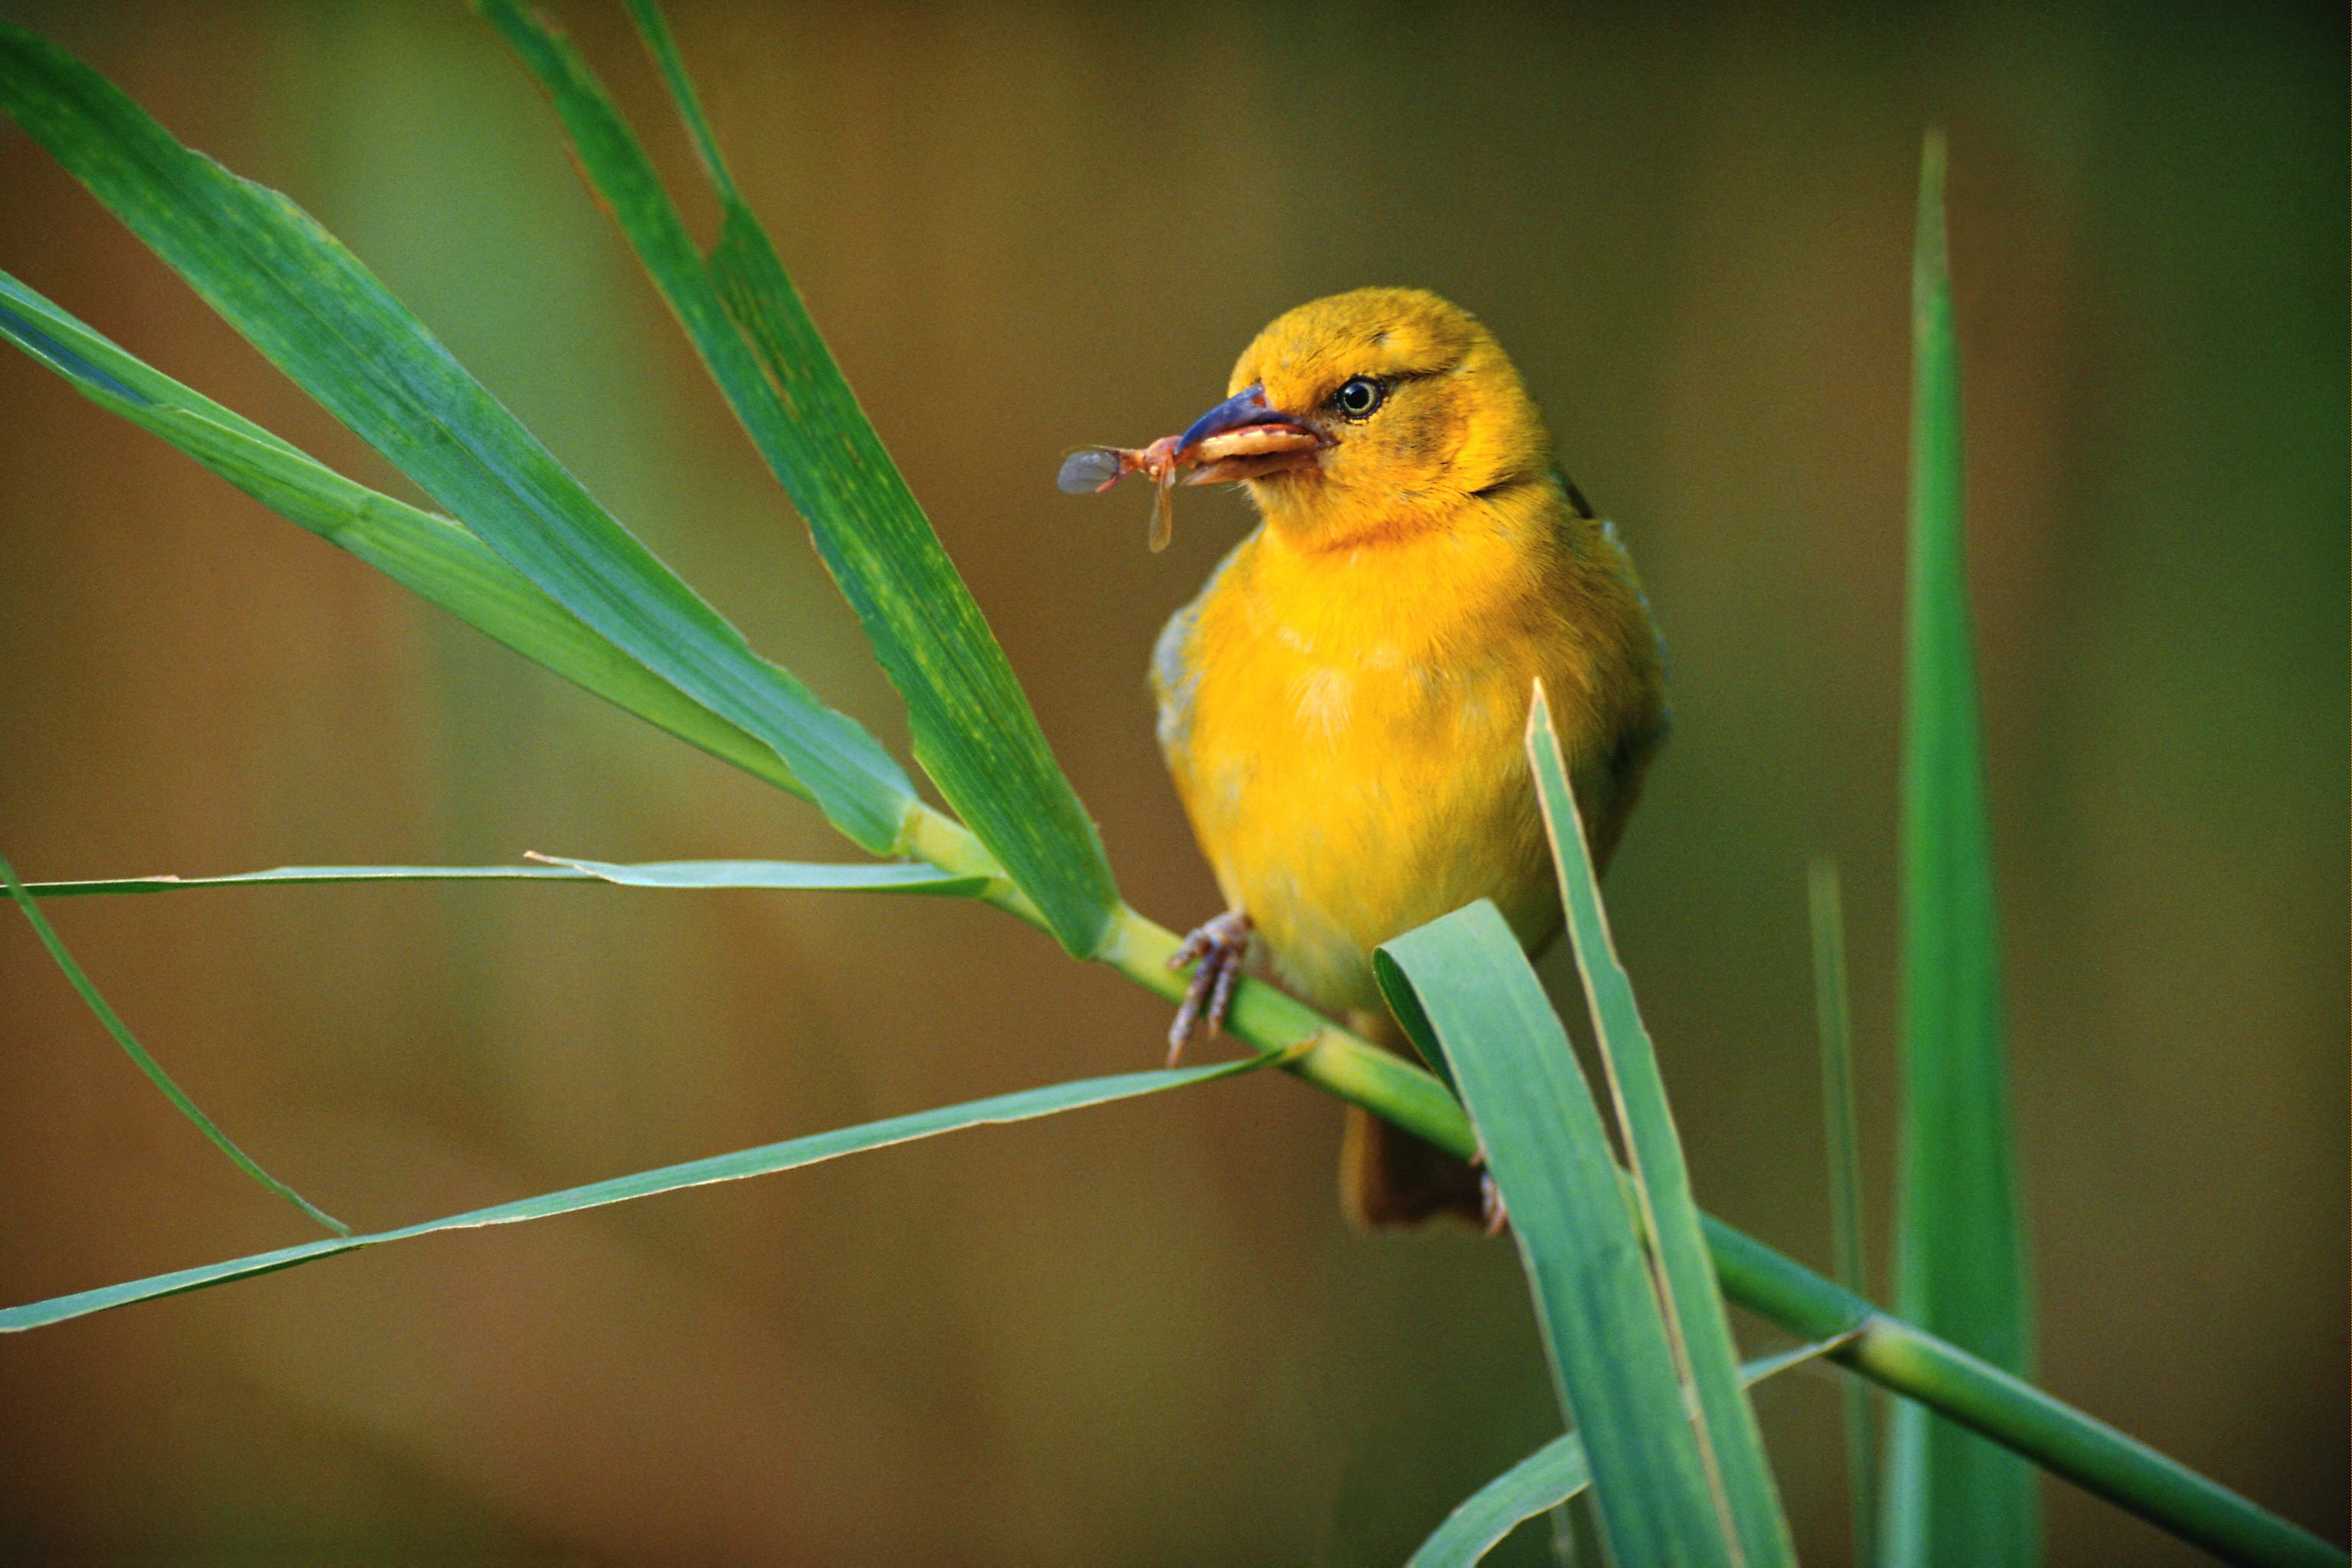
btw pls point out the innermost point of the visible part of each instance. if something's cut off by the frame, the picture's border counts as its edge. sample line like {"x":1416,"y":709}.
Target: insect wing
{"x":1090,"y":470}
{"x":1163,"y":520}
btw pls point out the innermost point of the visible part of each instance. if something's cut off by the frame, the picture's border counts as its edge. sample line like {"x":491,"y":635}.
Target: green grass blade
{"x":1834,"y":1011}
{"x":1544,"y":1479}
{"x":809,"y":876}
{"x":789,"y":1154}
{"x":1548,"y":1478}
{"x":973,"y":730}
{"x":1697,"y":1325}
{"x":429,"y":555}
{"x":1405,"y":1008}
{"x":147,"y":1064}
{"x":815,"y":877}
{"x":314,"y":310}
{"x":973,"y":727}
{"x":1950,"y":1497}
{"x":1612,"y":1367}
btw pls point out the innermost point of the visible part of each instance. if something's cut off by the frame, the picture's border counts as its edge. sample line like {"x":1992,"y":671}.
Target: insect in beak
{"x":1244,"y":437}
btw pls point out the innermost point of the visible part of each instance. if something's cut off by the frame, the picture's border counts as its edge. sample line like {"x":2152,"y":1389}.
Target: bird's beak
{"x":1245,"y":437}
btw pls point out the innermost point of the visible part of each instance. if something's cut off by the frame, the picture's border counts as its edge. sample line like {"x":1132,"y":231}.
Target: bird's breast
{"x":1347,"y":737}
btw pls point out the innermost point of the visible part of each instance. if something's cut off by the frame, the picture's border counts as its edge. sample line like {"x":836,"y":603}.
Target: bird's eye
{"x":1358,"y":396}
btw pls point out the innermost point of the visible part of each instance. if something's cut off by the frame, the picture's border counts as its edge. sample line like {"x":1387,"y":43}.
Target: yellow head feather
{"x":1452,"y":417}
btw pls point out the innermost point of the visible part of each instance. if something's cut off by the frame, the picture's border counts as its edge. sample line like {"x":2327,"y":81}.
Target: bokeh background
{"x":1142,"y":1333}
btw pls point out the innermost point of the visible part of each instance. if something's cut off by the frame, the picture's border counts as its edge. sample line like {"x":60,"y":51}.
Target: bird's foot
{"x":1220,"y":946}
{"x":1491,"y":1212}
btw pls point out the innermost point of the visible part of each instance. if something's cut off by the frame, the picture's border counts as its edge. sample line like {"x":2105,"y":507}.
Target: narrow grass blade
{"x":1613,"y":1368}
{"x":813,"y":876}
{"x":429,"y":555}
{"x":1696,"y":1323}
{"x":1544,"y":1479}
{"x":789,"y":1154}
{"x":1950,"y":1497}
{"x":1548,"y":1478}
{"x":314,"y":310}
{"x":1834,"y":1013}
{"x":973,"y":727}
{"x":147,"y":1064}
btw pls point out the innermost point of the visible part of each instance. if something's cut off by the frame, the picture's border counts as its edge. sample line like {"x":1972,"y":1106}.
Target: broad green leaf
{"x":429,"y":555}
{"x":98,"y":1003}
{"x":1545,"y":1147}
{"x":1696,"y":1324}
{"x":813,"y":876}
{"x":787,"y":1155}
{"x":321,"y":317}
{"x":1546,"y":1478}
{"x":973,"y":727}
{"x":1951,"y":1498}
{"x":1835,"y":1014}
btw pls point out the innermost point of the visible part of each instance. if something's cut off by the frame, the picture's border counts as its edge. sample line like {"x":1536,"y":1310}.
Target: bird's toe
{"x":1218,"y":949}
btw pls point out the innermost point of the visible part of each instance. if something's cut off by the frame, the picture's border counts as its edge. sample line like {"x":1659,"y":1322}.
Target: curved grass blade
{"x":1544,"y":1479}
{"x":153,"y":1069}
{"x":973,"y":730}
{"x":1545,"y":1147}
{"x":813,"y":877}
{"x":427,"y":554}
{"x":1696,"y":1323}
{"x":308,"y":305}
{"x":787,"y":1155}
{"x":1834,"y":1014}
{"x":1951,"y":1498}
{"x":1548,"y":1478}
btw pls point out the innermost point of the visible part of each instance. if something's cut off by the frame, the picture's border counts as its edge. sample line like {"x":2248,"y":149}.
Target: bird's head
{"x":1412,"y":404}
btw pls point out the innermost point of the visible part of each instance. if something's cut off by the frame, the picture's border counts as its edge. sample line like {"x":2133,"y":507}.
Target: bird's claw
{"x":1220,"y":947}
{"x":1491,"y":1212}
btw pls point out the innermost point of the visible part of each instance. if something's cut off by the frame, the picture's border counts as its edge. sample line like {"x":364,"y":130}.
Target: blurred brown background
{"x":1142,"y":1334}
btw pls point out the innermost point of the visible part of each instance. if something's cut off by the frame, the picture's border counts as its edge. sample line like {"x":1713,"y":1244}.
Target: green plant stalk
{"x":1891,"y":1354}
{"x":1833,"y":1011}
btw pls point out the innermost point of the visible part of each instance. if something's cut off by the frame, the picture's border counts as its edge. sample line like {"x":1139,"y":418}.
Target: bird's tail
{"x":1387,"y":1177}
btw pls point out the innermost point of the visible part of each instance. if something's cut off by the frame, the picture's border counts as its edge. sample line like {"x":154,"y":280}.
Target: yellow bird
{"x":1344,"y":706}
